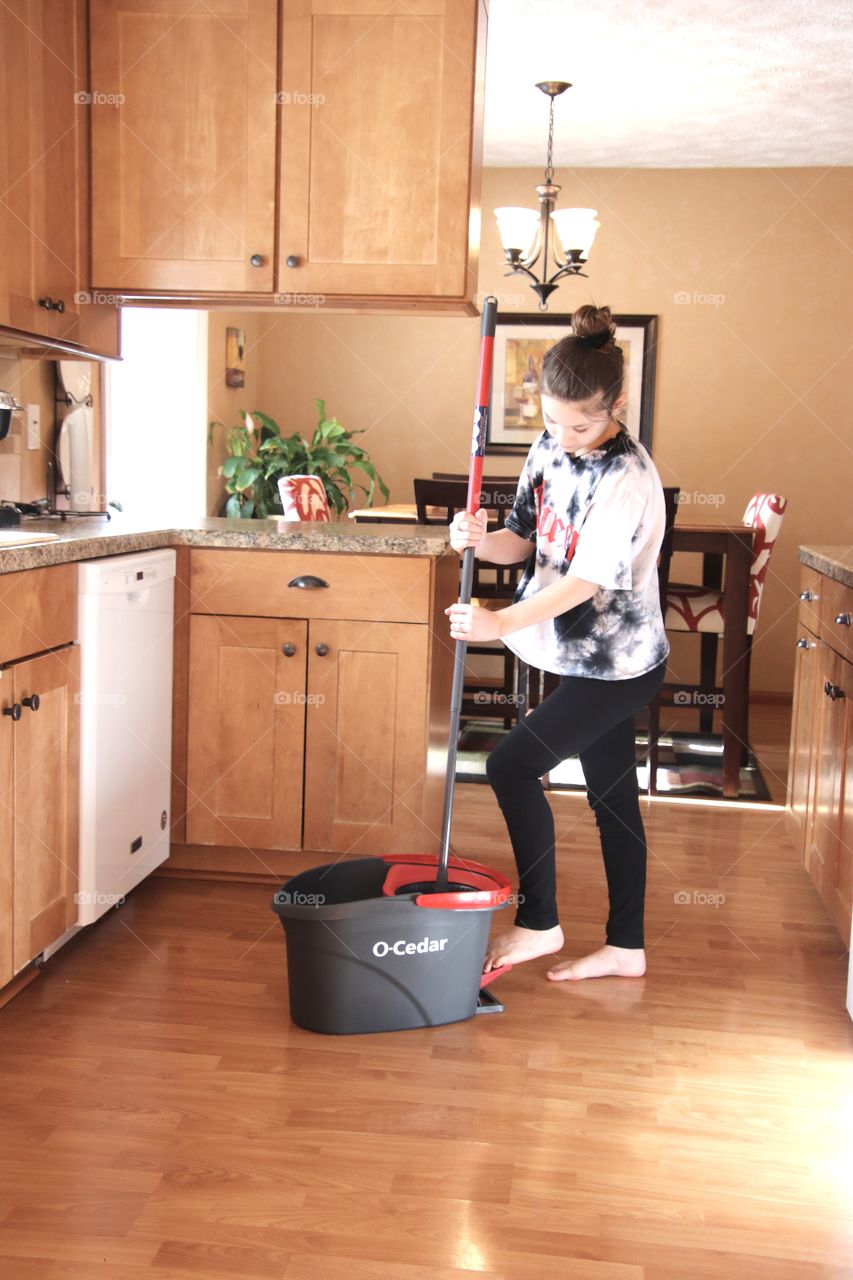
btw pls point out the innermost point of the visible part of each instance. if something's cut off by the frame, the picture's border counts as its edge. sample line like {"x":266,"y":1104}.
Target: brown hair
{"x":586,"y":364}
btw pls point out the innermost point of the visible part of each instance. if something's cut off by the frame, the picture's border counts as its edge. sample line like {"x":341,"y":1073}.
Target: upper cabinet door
{"x":381,"y":107}
{"x":42,"y":71}
{"x":183,"y":144}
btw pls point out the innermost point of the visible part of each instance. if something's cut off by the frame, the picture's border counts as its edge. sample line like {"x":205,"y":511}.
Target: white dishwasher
{"x":126,"y":616}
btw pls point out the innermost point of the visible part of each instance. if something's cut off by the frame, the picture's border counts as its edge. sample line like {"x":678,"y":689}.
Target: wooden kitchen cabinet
{"x":820,"y":789}
{"x":246,"y":732}
{"x":39,"y":762}
{"x":184,"y":148}
{"x":318,"y":695}
{"x":380,"y":143}
{"x":44,"y":265}
{"x":349,"y":134}
{"x":366,"y":717}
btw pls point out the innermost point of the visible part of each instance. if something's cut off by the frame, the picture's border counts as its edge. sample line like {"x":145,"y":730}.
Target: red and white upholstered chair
{"x":698,"y":608}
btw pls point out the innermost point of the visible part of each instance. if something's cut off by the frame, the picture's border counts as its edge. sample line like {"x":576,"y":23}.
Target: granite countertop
{"x":835,"y":562}
{"x":85,"y":538}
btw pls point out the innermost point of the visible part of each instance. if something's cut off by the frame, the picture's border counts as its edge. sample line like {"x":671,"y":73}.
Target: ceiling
{"x":671,"y":83}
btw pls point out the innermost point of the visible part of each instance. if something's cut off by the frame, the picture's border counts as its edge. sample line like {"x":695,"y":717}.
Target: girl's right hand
{"x":467,"y":530}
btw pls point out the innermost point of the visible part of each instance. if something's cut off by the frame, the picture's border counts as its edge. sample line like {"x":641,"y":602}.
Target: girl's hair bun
{"x":594,"y":326}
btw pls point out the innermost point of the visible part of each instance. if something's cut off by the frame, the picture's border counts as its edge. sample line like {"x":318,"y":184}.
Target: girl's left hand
{"x":470,"y":622}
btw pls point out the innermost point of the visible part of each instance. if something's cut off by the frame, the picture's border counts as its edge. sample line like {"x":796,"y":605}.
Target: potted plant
{"x":258,"y":455}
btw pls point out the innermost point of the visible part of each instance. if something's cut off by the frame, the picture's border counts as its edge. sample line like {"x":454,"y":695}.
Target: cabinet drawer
{"x":837,"y":602}
{"x":256,"y":584}
{"x":811,"y":590}
{"x":38,"y":610}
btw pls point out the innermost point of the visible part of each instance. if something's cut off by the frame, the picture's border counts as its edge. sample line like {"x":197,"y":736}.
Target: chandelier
{"x":530,"y":241}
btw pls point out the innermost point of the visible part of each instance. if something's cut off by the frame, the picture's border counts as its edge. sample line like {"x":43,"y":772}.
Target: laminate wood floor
{"x":163,"y":1120}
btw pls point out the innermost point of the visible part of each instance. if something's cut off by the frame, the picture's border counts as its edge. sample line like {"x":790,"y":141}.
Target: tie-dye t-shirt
{"x":599,"y":516}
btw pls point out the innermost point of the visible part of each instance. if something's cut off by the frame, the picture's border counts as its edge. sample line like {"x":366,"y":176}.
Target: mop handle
{"x":472,"y":506}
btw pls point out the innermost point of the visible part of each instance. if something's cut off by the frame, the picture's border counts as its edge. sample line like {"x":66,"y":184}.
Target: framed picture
{"x":235,"y":357}
{"x":521,"y":341}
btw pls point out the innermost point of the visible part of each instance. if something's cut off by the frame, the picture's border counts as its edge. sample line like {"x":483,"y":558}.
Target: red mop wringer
{"x":397,"y":942}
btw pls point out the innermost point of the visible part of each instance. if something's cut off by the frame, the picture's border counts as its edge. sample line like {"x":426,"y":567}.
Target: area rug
{"x":689,"y":764}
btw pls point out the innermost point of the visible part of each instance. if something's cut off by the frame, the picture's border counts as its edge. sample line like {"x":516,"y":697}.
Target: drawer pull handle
{"x":14,"y":711}
{"x":288,"y":650}
{"x":832,"y":691}
{"x":308,"y":581}
{"x":807,"y":595}
{"x":321,"y":650}
{"x":33,"y":702}
{"x":843,"y":619}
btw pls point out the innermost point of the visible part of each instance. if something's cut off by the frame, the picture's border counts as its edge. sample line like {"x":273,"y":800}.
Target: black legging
{"x":595,"y":720}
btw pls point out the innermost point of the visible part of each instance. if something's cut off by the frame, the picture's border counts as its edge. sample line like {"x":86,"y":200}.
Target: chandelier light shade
{"x":537,"y":241}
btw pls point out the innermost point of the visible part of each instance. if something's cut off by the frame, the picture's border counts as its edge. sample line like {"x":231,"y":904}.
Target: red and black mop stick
{"x":475,"y":483}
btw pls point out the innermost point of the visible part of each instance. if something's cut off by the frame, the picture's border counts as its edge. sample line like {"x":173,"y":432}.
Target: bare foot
{"x":519,"y":945}
{"x":620,"y":962}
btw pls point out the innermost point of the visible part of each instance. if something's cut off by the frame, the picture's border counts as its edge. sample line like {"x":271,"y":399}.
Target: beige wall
{"x":752,"y":387}
{"x":223,"y":403}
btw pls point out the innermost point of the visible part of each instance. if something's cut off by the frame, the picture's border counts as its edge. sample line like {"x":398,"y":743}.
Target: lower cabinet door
{"x":46,"y":778}
{"x":7,"y":827}
{"x":828,"y":858}
{"x":801,"y":757}
{"x":246,"y":732}
{"x":366,"y":737}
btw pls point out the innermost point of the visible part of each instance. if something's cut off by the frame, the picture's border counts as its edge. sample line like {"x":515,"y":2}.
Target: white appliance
{"x":126,"y":615}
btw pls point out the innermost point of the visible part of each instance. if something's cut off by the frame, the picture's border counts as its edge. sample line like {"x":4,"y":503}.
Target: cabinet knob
{"x":52,"y":304}
{"x":33,"y":702}
{"x":14,"y":711}
{"x":256,"y":260}
{"x":292,"y":260}
{"x":832,"y":691}
{"x":843,"y":619}
{"x":288,"y":650}
{"x":321,"y":650}
{"x":802,"y":643}
{"x":806,"y":595}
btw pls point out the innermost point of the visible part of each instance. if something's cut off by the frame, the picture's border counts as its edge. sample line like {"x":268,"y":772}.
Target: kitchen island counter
{"x":84,"y":538}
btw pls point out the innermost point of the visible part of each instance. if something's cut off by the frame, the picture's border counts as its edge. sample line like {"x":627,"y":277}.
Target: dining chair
{"x":697,"y":608}
{"x":437,"y":502}
{"x":671,"y":495}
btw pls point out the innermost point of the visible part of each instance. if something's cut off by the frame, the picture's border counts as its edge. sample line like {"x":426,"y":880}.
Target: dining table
{"x":726,"y":550}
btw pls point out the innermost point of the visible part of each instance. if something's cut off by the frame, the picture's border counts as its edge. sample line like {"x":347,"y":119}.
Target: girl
{"x":588,"y":609}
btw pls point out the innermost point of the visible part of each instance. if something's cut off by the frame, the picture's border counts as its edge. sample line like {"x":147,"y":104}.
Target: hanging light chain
{"x":549,"y":167}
